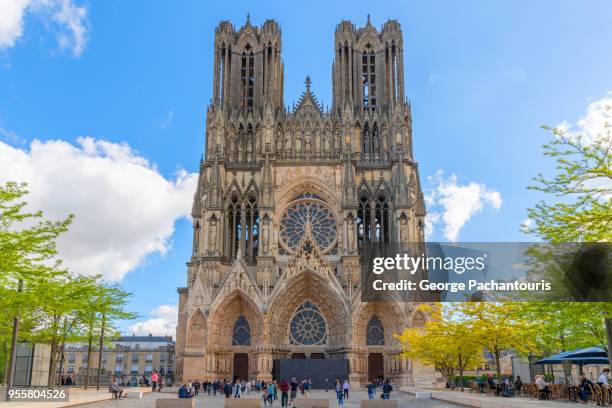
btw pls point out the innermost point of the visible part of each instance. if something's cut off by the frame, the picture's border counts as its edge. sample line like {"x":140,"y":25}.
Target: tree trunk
{"x":6,"y":360}
{"x":101,"y":349}
{"x":89,"y":344}
{"x":609,"y":336}
{"x":460,"y":370}
{"x":52,"y":361}
{"x":497,"y":365}
{"x":13,"y":360}
{"x":61,"y":364}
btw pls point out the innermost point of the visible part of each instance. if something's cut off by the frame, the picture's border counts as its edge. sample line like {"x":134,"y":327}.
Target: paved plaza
{"x":148,"y":401}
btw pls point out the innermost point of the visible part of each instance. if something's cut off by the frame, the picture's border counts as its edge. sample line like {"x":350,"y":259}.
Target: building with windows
{"x":286,"y":199}
{"x":129,"y":357}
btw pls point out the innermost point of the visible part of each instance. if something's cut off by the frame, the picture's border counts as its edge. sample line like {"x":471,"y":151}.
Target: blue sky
{"x":482,"y":77}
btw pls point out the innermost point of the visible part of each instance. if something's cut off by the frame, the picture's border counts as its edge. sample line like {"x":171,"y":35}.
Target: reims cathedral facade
{"x":285,"y":200}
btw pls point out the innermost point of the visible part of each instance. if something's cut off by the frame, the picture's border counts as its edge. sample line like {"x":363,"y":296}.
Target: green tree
{"x":27,"y":255}
{"x":583,"y":183}
{"x":97,"y":315}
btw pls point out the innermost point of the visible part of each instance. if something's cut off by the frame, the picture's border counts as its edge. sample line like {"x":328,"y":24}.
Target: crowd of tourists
{"x":285,"y":390}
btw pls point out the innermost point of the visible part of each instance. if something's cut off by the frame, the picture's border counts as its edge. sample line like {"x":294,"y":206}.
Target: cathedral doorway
{"x":241,"y":366}
{"x":376,"y":367}
{"x":298,"y":356}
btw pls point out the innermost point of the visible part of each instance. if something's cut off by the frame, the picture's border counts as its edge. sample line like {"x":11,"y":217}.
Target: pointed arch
{"x":226,"y":313}
{"x":196,"y":332}
{"x":241,"y":334}
{"x":375,"y":332}
{"x":318,"y":290}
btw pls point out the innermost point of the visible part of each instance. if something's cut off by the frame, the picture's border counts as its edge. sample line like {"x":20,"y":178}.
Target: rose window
{"x":308,"y":326}
{"x":312,"y":215}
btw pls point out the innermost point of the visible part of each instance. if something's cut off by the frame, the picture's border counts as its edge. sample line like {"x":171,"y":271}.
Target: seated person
{"x":183,"y":392}
{"x":583,"y":388}
{"x":543,"y":389}
{"x":518,"y":383}
{"x":115,"y":389}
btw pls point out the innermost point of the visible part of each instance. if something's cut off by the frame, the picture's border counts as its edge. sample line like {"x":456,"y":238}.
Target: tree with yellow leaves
{"x":497,"y":327}
{"x":445,"y":343}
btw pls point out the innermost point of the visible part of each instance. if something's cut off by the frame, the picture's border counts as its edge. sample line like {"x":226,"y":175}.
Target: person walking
{"x":227,"y":387}
{"x":160,"y":383}
{"x":386,"y":389}
{"x":154,"y":378}
{"x":339,"y":393}
{"x":345,"y":388}
{"x":271,"y":393}
{"x":294,"y":387}
{"x":284,"y":389}
{"x":196,"y":387}
{"x":371,"y":390}
{"x":237,"y":389}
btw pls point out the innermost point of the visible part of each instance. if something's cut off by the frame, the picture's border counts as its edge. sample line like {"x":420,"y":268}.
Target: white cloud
{"x":454,"y":205}
{"x":64,"y":18}
{"x":124,"y":208}
{"x":162,"y":322}
{"x":596,"y":123}
{"x":11,"y":21}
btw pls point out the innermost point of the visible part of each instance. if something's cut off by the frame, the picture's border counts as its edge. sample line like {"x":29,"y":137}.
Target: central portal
{"x":322,"y":372}
{"x":241,"y":366}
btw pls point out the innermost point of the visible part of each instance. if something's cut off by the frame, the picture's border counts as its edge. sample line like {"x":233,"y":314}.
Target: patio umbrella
{"x":583,"y":356}
{"x":590,"y":352}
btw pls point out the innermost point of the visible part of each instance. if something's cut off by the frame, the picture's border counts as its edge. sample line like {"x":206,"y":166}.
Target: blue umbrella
{"x":589,"y":352}
{"x":583,"y":356}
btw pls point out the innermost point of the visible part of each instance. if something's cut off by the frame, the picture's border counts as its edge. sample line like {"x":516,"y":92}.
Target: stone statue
{"x":266,"y":237}
{"x":351,"y":235}
{"x":212,"y":239}
{"x":196,"y":237}
{"x":404,"y":233}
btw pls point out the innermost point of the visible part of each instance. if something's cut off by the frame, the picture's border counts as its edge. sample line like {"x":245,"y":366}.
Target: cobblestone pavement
{"x":148,"y":401}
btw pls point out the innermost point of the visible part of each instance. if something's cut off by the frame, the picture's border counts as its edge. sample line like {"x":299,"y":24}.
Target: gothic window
{"x":247,"y":78}
{"x":381,"y":219}
{"x":375,"y":332}
{"x":363,"y":220}
{"x":252,"y":228}
{"x":222,"y":73}
{"x":308,"y":327}
{"x":233,"y":214}
{"x":394,"y":72}
{"x":308,"y":214}
{"x":368,"y":73}
{"x":241,"y":336}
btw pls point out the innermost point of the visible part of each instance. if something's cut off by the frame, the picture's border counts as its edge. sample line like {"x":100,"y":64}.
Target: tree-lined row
{"x":40,"y":300}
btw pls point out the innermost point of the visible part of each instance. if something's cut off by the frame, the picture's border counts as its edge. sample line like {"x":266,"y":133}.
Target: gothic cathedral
{"x":285,"y":200}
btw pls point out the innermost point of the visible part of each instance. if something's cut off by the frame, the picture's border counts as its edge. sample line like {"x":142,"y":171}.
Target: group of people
{"x":385,"y":385}
{"x":222,"y":387}
{"x":116,"y":385}
{"x":507,"y":388}
{"x":286,"y":390}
